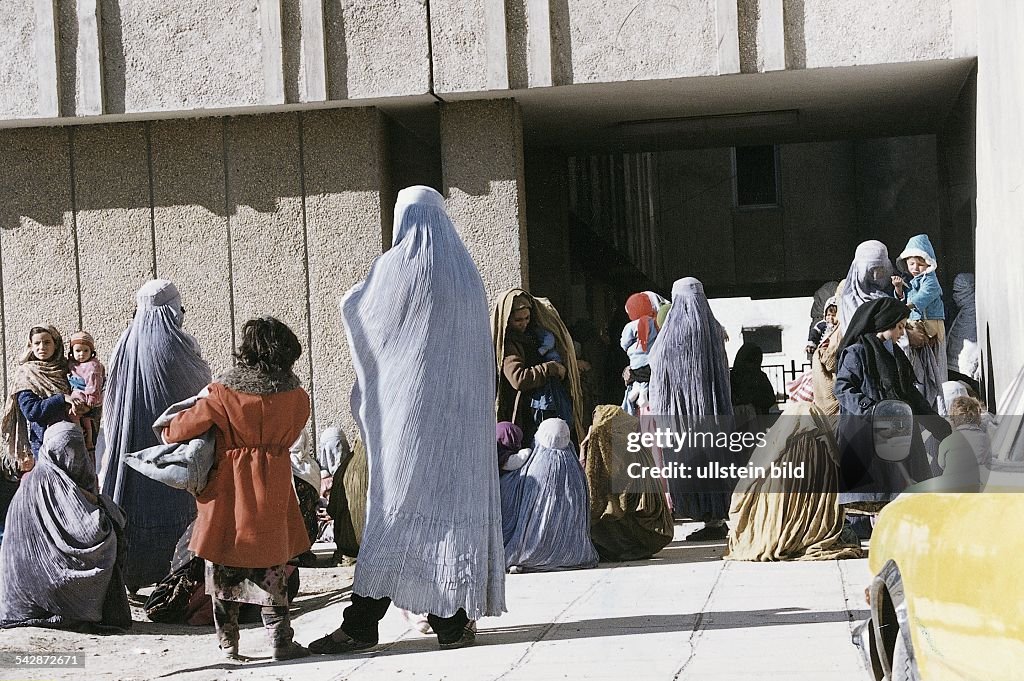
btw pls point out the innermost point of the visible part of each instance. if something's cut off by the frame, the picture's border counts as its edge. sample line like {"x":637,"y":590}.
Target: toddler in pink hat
{"x":86,"y":376}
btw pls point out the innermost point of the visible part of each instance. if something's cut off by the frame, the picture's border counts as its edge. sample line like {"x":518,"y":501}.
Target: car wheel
{"x":903,"y":668}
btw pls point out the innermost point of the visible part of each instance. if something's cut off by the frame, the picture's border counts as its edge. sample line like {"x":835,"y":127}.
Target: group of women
{"x":74,"y":543}
{"x":858,"y":366}
{"x":444,"y":517}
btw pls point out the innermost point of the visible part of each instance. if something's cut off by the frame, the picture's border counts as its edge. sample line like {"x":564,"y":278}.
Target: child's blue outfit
{"x":552,"y":399}
{"x":923,"y":291}
{"x":630,"y":342}
{"x":639,"y":362}
{"x":924,"y":294}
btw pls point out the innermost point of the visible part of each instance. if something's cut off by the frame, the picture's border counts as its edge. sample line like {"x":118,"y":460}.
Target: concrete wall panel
{"x":344,"y":168}
{"x":37,"y":240}
{"x":459,"y":34}
{"x":19,"y":84}
{"x":603,"y":42}
{"x":114,"y":224}
{"x":485,"y":194}
{"x":161,"y":56}
{"x":377,"y":48}
{"x":191,"y":228}
{"x":268,"y":248}
{"x":822,"y":33}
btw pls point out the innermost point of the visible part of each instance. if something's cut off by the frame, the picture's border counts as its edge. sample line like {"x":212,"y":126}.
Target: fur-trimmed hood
{"x":247,"y":379}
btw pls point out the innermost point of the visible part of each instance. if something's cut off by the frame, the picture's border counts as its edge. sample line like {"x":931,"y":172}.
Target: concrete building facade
{"x":252,"y":151}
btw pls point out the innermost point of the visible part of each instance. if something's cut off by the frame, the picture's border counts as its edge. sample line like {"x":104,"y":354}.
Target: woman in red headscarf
{"x":637,"y":337}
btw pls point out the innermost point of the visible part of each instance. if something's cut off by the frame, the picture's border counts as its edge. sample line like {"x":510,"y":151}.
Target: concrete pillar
{"x":344,"y":168}
{"x":482,"y":168}
{"x":38,"y":269}
{"x":268,"y":245}
{"x":190,"y":224}
{"x":114,"y":224}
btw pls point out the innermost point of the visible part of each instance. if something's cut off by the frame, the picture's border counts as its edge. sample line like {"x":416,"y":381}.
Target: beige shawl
{"x":543,"y":314}
{"x":45,"y":379}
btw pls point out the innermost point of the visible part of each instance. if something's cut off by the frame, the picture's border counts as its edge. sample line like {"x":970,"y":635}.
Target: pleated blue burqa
{"x":547,"y":506}
{"x":154,"y":365}
{"x":689,"y":385}
{"x":58,"y":563}
{"x":418,"y":329}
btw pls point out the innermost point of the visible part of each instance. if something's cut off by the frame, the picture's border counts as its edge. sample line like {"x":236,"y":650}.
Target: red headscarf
{"x":640,"y":309}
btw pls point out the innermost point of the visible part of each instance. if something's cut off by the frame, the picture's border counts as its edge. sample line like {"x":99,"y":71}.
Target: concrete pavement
{"x":683,"y":615}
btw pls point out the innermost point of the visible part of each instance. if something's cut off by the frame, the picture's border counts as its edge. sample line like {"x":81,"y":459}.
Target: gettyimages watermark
{"x":817,"y":454}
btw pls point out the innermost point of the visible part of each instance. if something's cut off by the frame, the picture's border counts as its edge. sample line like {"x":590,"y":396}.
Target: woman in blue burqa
{"x":548,"y":506}
{"x":418,"y":333}
{"x":154,"y":365}
{"x":59,"y":565}
{"x":689,"y":390}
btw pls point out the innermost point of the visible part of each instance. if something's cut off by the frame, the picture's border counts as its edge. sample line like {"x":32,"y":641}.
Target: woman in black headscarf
{"x":749,"y":384}
{"x":872,"y":368}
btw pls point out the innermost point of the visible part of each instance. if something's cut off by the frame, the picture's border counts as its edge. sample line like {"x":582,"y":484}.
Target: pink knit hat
{"x":82,"y":338}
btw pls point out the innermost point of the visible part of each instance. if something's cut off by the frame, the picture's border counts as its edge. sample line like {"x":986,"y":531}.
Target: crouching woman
{"x":248,"y":523}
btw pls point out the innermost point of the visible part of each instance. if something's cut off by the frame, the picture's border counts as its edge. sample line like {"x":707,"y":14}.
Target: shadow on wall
{"x":291,"y":48}
{"x":114,"y":66}
{"x":561,"y":32}
{"x":67,"y":29}
{"x":794,"y":17}
{"x":27,"y":158}
{"x":337,"y":50}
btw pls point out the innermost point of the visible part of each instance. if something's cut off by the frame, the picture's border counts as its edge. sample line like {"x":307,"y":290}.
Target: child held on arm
{"x":925,"y":341}
{"x":86,"y":375}
{"x":636,"y":340}
{"x":822,"y":329}
{"x":550,"y":400}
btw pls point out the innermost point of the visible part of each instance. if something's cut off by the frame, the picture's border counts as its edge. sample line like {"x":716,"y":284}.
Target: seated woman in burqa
{"x":551,"y":527}
{"x":60,"y":562}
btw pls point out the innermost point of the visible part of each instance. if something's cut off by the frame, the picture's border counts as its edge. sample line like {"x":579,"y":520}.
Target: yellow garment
{"x":636,"y":522}
{"x":356,"y":484}
{"x":792,"y":519}
{"x":542,"y":314}
{"x":824,"y":364}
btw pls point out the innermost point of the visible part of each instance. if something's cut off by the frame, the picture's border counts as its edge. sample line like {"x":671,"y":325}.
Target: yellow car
{"x":947,"y":599}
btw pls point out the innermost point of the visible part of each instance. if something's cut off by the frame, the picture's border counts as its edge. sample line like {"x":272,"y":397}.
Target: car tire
{"x":903,"y":668}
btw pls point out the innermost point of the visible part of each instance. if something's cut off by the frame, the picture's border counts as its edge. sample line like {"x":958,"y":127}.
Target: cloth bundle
{"x":181,"y":466}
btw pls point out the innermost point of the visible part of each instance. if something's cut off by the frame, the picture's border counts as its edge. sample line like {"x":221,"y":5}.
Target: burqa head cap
{"x":157,"y":293}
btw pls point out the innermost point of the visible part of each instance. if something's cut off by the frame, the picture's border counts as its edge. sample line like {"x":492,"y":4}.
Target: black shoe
{"x":709,"y":533}
{"x":328,"y":645}
{"x":468,"y":638}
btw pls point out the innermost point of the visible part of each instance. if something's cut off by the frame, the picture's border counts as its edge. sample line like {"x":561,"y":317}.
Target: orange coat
{"x":248,"y":513}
